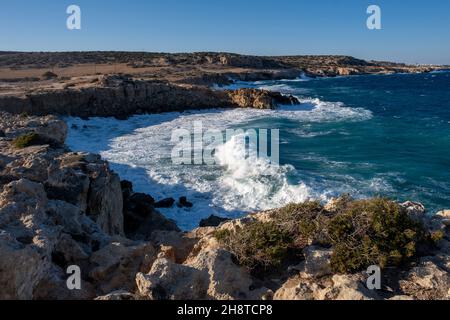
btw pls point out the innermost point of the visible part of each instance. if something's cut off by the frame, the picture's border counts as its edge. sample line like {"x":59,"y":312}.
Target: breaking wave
{"x":139,"y":149}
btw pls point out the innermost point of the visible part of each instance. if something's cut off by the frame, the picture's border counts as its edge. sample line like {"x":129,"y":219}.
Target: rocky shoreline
{"x":60,"y":208}
{"x":121,"y":96}
{"x":89,"y":84}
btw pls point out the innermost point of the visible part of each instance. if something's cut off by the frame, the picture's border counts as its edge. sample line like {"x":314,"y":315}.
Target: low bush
{"x":26,"y":140}
{"x":361,"y":232}
{"x":373,"y":232}
{"x":257,"y":245}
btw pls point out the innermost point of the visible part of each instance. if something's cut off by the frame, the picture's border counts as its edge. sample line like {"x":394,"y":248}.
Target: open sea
{"x":386,"y":135}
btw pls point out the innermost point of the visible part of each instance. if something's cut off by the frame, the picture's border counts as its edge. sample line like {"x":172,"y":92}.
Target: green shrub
{"x":437,"y":236}
{"x":257,"y":245}
{"x":222,"y":235}
{"x":26,"y":140}
{"x":362,"y":233}
{"x":376,"y":231}
{"x":304,"y":222}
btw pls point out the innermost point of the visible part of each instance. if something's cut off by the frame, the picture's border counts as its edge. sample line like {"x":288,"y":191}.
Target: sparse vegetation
{"x":26,"y":140}
{"x":361,"y":233}
{"x":258,"y":244}
{"x":375,"y":231}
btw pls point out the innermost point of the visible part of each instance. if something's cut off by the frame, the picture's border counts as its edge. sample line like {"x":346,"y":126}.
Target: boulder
{"x":105,"y":202}
{"x":141,"y":218}
{"x":53,"y":129}
{"x":444,"y":216}
{"x":210,"y":274}
{"x":317,"y":261}
{"x":182,"y":243}
{"x":54,"y":287}
{"x":183,"y":203}
{"x":165,"y":203}
{"x":26,"y":242}
{"x":212,"y":221}
{"x":259,"y":99}
{"x":416,"y":210}
{"x":116,"y":265}
{"x":138,"y":201}
{"x":226,"y":280}
{"x":347,"y":287}
{"x":296,"y":289}
{"x":68,"y":185}
{"x":127,"y":189}
{"x":168,"y":280}
{"x":427,"y":281}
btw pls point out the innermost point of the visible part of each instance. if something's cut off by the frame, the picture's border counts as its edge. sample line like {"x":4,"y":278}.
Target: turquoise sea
{"x":386,"y":135}
{"x":402,"y":151}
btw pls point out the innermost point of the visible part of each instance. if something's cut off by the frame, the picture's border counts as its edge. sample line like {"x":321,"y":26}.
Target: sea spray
{"x":139,"y":149}
{"x":254,"y":183}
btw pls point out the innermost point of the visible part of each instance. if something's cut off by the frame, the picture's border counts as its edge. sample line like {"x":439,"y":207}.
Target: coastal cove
{"x":87,"y":179}
{"x":362,"y":135}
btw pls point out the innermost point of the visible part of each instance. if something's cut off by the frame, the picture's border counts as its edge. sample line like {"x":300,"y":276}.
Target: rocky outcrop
{"x":210,"y":274}
{"x":121,"y":96}
{"x":331,"y":66}
{"x":444,"y":217}
{"x":212,"y":221}
{"x":115,"y":265}
{"x":317,"y":261}
{"x":338,"y":287}
{"x":57,"y":209}
{"x":427,"y":281}
{"x":260,"y":99}
{"x":141,"y":218}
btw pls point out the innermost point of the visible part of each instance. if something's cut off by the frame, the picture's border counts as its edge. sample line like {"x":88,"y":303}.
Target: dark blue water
{"x":402,"y":151}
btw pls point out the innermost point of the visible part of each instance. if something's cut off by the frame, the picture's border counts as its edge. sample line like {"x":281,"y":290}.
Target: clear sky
{"x":413,"y":31}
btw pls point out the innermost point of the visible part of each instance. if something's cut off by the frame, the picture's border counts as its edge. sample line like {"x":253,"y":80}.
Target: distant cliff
{"x":118,"y":96}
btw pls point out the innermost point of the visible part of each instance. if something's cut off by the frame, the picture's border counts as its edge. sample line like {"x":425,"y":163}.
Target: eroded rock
{"x":427,"y":281}
{"x":317,"y":261}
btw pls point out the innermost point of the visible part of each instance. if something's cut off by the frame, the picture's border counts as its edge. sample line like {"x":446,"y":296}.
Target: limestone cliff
{"x":121,"y":96}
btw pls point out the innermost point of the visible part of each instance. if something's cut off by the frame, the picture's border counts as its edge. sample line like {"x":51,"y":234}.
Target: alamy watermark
{"x":74,"y":280}
{"x":374,"y":20}
{"x":374,"y":280}
{"x":199,"y":147}
{"x":73,"y":22}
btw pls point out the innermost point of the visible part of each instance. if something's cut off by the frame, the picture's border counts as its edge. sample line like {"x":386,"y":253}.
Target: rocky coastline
{"x":89,"y":84}
{"x":120,"y":96}
{"x":60,"y":208}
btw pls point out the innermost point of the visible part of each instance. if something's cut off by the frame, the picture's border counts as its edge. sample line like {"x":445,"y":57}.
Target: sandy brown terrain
{"x":22,"y":72}
{"x":71,"y":83}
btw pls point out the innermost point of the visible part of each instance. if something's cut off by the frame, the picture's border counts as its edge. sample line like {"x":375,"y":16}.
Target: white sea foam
{"x":252,"y":183}
{"x":139,"y":149}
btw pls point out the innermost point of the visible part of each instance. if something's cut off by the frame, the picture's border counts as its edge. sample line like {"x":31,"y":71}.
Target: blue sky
{"x":413,"y":31}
